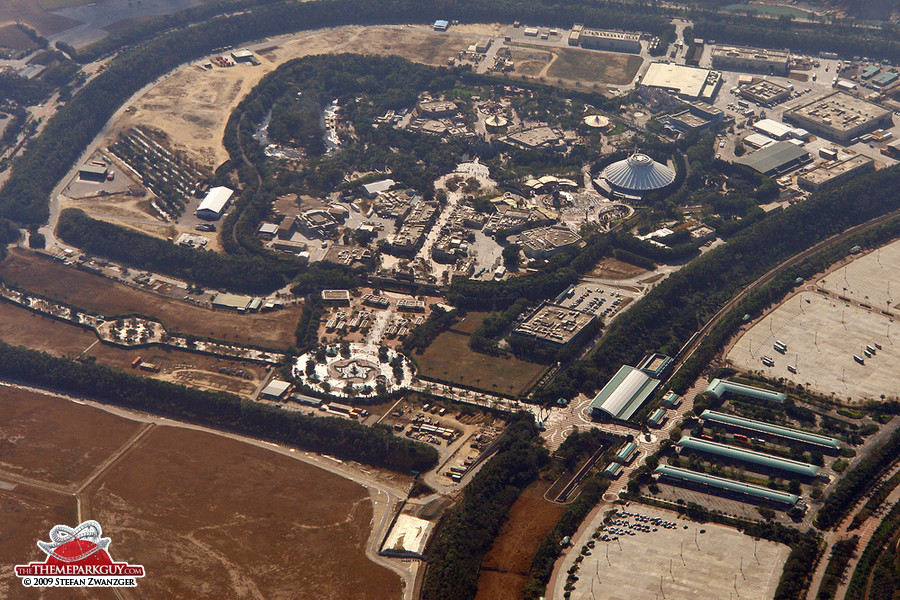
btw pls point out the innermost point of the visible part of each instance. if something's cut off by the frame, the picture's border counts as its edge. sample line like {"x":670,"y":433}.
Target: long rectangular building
{"x":738,"y":58}
{"x":833,"y":173}
{"x":785,"y":433}
{"x":766,"y":461}
{"x":740,"y":488}
{"x":719,"y":387}
{"x":839,"y":116}
{"x":624,"y":394}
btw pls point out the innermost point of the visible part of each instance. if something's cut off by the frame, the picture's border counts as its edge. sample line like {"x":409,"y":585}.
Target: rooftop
{"x":839,"y":111}
{"x":777,"y":430}
{"x":686,"y":81}
{"x":638,"y":173}
{"x":747,"y":53}
{"x":775,"y":158}
{"x":554,"y":323}
{"x":753,"y":457}
{"x":729,"y":485}
{"x":828,"y":171}
{"x":765,"y":90}
{"x":628,"y":389}
{"x":717,"y":387}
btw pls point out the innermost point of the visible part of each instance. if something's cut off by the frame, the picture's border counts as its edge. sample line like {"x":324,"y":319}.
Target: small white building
{"x":773,"y":129}
{"x":275,"y":389}
{"x":216,"y":202}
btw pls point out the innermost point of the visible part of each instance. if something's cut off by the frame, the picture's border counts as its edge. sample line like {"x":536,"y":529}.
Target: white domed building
{"x":636,"y":175}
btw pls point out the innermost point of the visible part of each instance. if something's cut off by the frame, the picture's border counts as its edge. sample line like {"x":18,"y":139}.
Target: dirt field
{"x":450,"y":359}
{"x":612,"y":268}
{"x":19,"y":326}
{"x":13,"y":37}
{"x":53,"y":279}
{"x":570,"y":64}
{"x":193,"y":105}
{"x":504,"y":571}
{"x":31,"y":13}
{"x":207,"y":516}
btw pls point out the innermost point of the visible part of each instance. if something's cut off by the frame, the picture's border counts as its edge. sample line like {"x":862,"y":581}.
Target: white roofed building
{"x":216,"y":202}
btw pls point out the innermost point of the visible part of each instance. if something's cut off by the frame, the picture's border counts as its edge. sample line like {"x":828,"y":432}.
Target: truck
{"x":859,"y":359}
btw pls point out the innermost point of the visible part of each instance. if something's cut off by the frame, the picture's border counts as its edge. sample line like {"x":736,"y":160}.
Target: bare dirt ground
{"x":570,"y":65}
{"x":92,"y":292}
{"x":207,"y":516}
{"x":504,"y":571}
{"x":19,"y":326}
{"x":612,"y":268}
{"x":192,"y":106}
{"x":31,"y":13}
{"x":13,"y":37}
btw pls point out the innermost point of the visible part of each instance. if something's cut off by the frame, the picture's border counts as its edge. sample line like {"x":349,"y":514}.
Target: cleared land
{"x":574,"y":65}
{"x":206,"y":515}
{"x":822,"y":334}
{"x":21,"y":327}
{"x":613,"y":268}
{"x":449,"y":358}
{"x":13,"y":37}
{"x":504,"y":571}
{"x":31,"y":13}
{"x":91,"y":292}
{"x":720,"y":563}
{"x":872,"y":279}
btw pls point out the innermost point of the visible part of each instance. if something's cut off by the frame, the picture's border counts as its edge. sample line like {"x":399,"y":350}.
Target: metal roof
{"x":750,"y":456}
{"x":613,"y":469}
{"x":216,"y":200}
{"x":775,"y":158}
{"x":717,"y":387}
{"x":638,"y":173}
{"x":627,"y":452}
{"x":783,"y":432}
{"x":625,"y":392}
{"x":657,"y":417}
{"x":730,"y":485}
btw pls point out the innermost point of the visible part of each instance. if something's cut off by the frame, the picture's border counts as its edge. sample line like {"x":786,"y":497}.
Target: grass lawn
{"x":449,"y":358}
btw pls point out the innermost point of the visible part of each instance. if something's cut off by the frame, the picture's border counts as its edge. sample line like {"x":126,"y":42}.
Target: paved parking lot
{"x":598,"y":299}
{"x":677,"y":563}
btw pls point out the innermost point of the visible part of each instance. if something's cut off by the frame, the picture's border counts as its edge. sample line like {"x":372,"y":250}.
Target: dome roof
{"x":638,"y":173}
{"x":495,"y":121}
{"x":596,"y":121}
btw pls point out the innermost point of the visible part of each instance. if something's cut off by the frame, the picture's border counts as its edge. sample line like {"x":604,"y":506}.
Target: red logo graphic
{"x":78,"y":558}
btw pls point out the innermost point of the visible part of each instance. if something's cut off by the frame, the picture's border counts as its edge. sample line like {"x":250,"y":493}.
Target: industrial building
{"x":232,"y":302}
{"x":835,"y":172}
{"x":758,"y":140}
{"x":93,"y":171}
{"x":671,"y":400}
{"x":689,"y":83}
{"x":627,"y":453}
{"x":765,"y":92}
{"x":613,"y":470}
{"x":370,"y":190}
{"x":739,"y":58}
{"x":636,"y":175}
{"x":657,"y":418}
{"x":720,"y":387}
{"x":624,"y":394}
{"x":886,"y":78}
{"x":755,"y":427}
{"x":743,"y":490}
{"x":699,"y":117}
{"x":215,"y":203}
{"x":776,"y":159}
{"x":764,"y":462}
{"x":544,"y":242}
{"x":441,"y":25}
{"x":553,"y":324}
{"x":839,"y":116}
{"x":773,"y":129}
{"x":336,"y":297}
{"x":616,"y":41}
{"x":275,"y":389}
{"x":407,"y":538}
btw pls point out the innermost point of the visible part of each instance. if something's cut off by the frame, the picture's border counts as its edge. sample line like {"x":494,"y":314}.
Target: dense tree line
{"x":250,"y":274}
{"x":884,"y":581}
{"x":798,"y":568}
{"x":339,"y":437}
{"x":679,"y":305}
{"x":422,"y":336}
{"x":468,"y":530}
{"x":841,"y":553}
{"x":857,"y":481}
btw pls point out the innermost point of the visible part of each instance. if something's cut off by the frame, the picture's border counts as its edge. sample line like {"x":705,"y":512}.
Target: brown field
{"x":573,"y":65}
{"x":31,"y":13}
{"x":613,"y":268}
{"x":504,"y":571}
{"x":449,"y":358}
{"x":13,"y":37}
{"x":207,"y":516}
{"x":21,"y":327}
{"x":469,"y":323}
{"x":91,"y":292}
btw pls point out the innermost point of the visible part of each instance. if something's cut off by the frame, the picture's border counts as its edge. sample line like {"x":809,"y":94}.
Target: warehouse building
{"x":745,"y":491}
{"x":768,"y":429}
{"x":624,"y":394}
{"x":773,"y":129}
{"x":336,"y":297}
{"x":699,"y":117}
{"x":215,"y":203}
{"x":232,"y":302}
{"x":275,"y":389}
{"x":616,"y":41}
{"x":835,"y":172}
{"x":739,"y":58}
{"x":721,"y":387}
{"x":370,"y":190}
{"x":689,"y":83}
{"x":839,"y":116}
{"x":93,"y":171}
{"x":407,"y":538}
{"x":886,"y":78}
{"x":776,"y":159}
{"x":553,"y":324}
{"x":627,"y":453}
{"x":765,"y":92}
{"x":763,"y":462}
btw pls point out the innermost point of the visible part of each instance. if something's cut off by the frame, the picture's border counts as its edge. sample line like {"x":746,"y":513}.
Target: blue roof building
{"x":719,"y":387}
{"x":759,"y":459}
{"x":657,"y":418}
{"x":627,"y":453}
{"x":755,"y":492}
{"x":785,"y":433}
